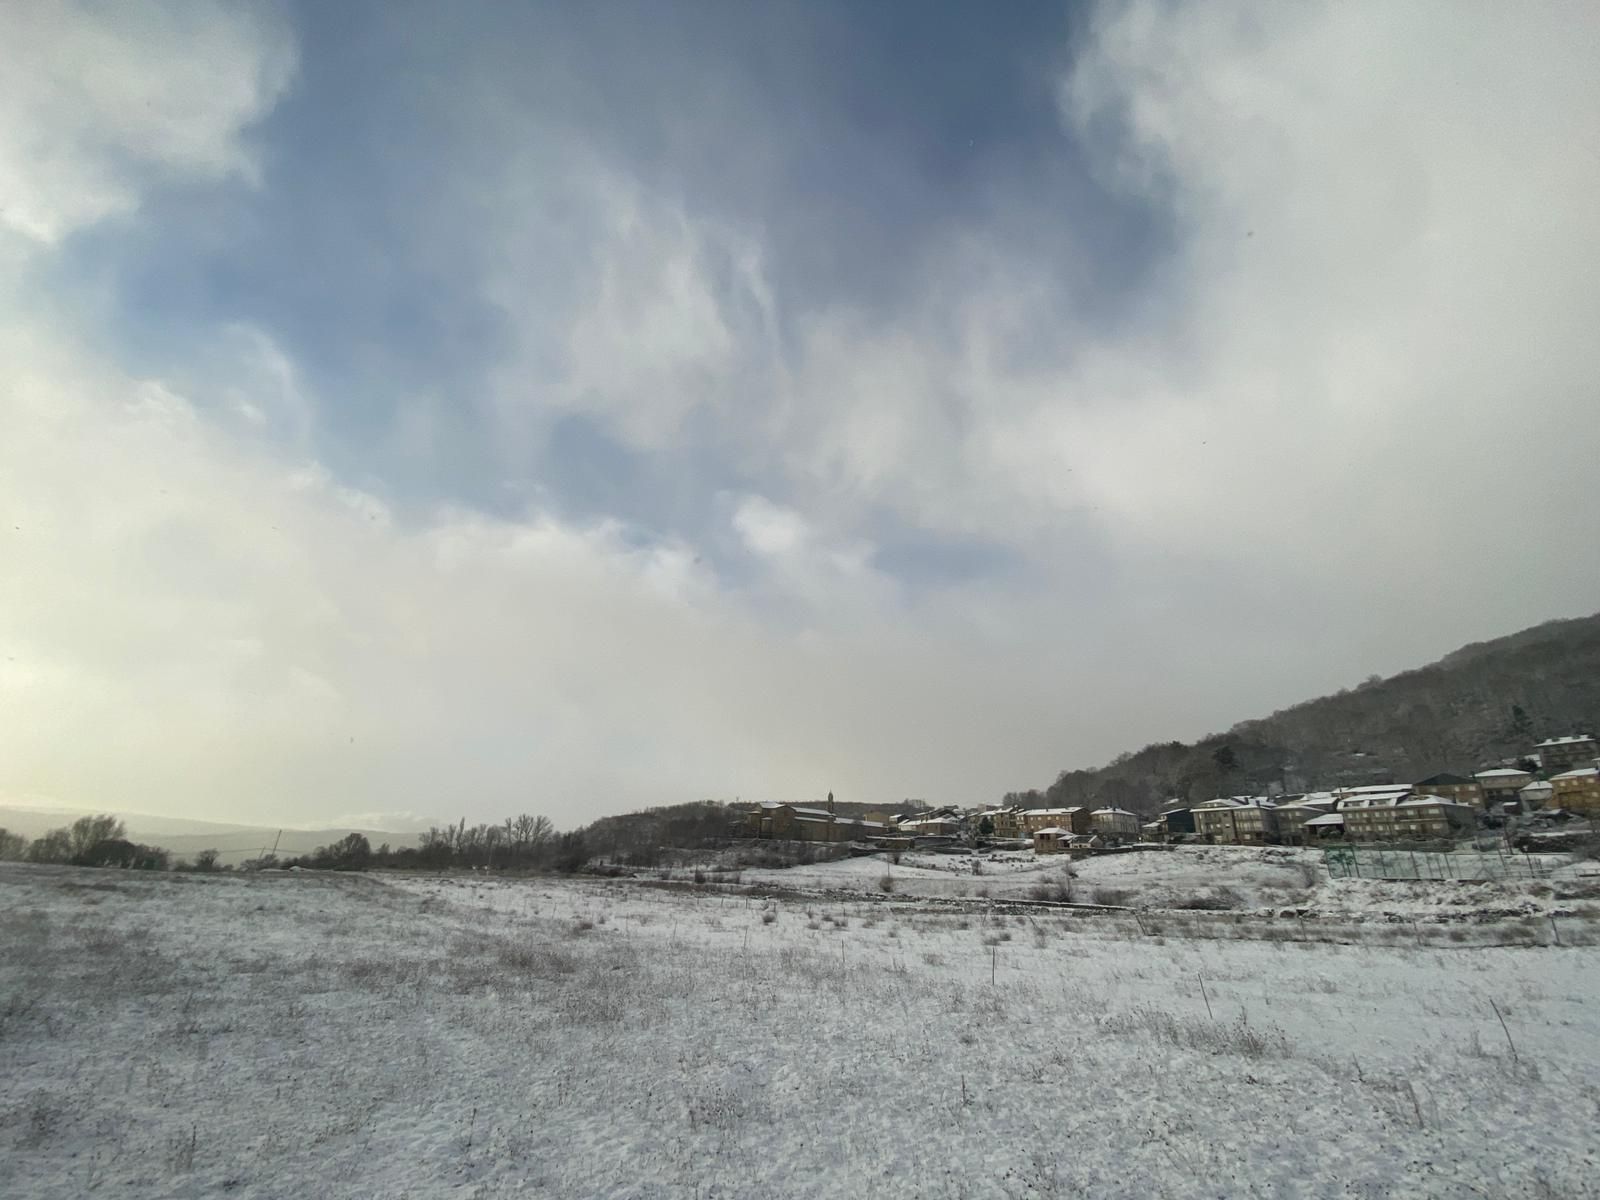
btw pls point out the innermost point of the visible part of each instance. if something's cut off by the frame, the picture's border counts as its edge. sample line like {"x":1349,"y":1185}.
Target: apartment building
{"x":1402,"y":818}
{"x":1577,"y":790}
{"x":1073,"y":820}
{"x":1238,"y":820}
{"x":1006,"y":822}
{"x":1564,"y":753}
{"x":1114,"y":824}
{"x":1452,"y":787}
{"x":1501,"y":784}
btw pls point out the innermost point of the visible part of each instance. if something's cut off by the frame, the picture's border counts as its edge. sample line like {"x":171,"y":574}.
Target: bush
{"x":119,"y":852}
{"x":1060,"y":893}
{"x":886,"y":883}
{"x":1216,"y":899}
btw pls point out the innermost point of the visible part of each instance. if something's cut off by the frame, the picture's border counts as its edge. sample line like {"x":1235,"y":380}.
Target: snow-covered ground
{"x":1219,"y":878}
{"x":311,"y":1035}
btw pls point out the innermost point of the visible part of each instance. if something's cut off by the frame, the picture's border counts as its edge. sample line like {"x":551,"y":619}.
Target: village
{"x":1557,"y":782}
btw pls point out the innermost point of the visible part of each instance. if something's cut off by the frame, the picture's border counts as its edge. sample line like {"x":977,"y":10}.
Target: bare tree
{"x":54,"y":847}
{"x":13,"y":846}
{"x":88,"y":832}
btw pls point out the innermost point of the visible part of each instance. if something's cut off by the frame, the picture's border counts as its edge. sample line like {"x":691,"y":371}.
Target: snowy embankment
{"x":317,"y":1035}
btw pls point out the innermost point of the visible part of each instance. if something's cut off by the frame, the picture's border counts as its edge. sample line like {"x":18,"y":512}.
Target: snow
{"x":1244,"y":878}
{"x":278,"y":1035}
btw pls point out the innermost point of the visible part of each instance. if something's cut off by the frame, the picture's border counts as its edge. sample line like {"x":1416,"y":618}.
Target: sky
{"x":416,"y":411}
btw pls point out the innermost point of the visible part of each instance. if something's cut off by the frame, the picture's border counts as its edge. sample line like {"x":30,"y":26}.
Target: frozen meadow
{"x":385,"y":1036}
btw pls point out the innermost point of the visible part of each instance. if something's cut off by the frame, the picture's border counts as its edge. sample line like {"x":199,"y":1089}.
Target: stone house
{"x":1052,"y":840}
{"x":1114,"y":824}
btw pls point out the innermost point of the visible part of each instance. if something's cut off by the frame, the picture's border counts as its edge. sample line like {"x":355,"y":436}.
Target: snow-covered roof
{"x":1112,"y":812}
{"x":1332,"y":818}
{"x":813,"y":812}
{"x":1053,"y":831}
{"x":1389,"y":800}
{"x":1374,"y":789}
{"x":1538,"y":787}
{"x":1236,"y":802}
{"x":1052,"y":812}
{"x":1429,"y":801}
{"x":1306,"y":805}
{"x":1569,"y":740}
{"x":1576,"y":773}
{"x":1499,"y":773}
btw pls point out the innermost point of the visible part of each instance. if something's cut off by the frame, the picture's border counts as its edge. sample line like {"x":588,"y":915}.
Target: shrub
{"x":205,"y":861}
{"x":886,"y":882}
{"x":1214,"y":899}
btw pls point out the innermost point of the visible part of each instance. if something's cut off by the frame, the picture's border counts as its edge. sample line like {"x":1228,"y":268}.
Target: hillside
{"x":1481,"y":704}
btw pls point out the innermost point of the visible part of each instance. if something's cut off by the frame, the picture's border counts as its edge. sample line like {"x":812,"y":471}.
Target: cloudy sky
{"x":457,"y":410}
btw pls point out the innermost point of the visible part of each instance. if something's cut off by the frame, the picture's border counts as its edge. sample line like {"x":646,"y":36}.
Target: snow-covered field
{"x":313,"y":1035}
{"x":1236,"y":878}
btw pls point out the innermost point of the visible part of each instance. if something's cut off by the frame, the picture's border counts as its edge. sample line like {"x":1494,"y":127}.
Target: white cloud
{"x":102,"y":101}
{"x":770,"y":529}
{"x":196,"y":622}
{"x":1357,"y":429}
{"x":658,"y":315}
{"x":1381,"y":300}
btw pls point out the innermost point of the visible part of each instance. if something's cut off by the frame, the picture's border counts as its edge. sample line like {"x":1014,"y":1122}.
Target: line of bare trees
{"x":90,"y":841}
{"x":525,"y":841}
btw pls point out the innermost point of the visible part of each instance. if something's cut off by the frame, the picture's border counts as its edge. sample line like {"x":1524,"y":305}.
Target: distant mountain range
{"x":187,"y":837}
{"x":1485,"y":704}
